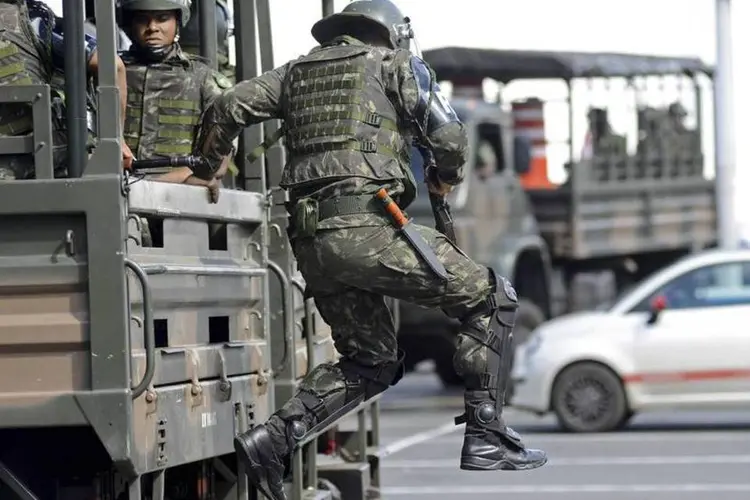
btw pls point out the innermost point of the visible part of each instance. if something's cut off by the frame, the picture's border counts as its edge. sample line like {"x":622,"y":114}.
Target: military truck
{"x":629,"y":209}
{"x":128,"y":366}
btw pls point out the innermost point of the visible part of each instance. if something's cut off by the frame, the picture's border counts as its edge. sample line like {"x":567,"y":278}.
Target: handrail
{"x":309,"y":325}
{"x":288,"y":309}
{"x":148,"y":328}
{"x":152,"y":269}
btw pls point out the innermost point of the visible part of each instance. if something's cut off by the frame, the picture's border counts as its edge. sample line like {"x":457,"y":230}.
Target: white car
{"x":680,"y":338}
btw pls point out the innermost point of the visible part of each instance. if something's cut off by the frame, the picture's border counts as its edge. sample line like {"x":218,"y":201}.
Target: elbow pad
{"x":433,"y":109}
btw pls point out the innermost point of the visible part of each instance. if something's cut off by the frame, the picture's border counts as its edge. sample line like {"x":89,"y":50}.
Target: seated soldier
{"x":605,"y":142}
{"x":168,"y":89}
{"x":486,"y":161}
{"x":36,"y":47}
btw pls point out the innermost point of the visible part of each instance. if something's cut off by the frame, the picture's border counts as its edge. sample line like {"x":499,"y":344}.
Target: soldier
{"x":168,"y":90}
{"x":31,"y":51}
{"x":605,"y":142}
{"x":351,"y":108}
{"x":190,"y":39}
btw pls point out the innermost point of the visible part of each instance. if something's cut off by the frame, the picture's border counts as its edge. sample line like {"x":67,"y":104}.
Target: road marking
{"x":564,"y":489}
{"x":588,"y":461}
{"x":624,"y":436}
{"x":418,"y":438}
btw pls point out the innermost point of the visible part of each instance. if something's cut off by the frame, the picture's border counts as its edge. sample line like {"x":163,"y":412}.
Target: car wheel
{"x":588,"y":397}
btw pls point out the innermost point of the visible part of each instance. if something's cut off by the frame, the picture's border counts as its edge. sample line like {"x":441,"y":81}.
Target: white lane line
{"x":418,"y":438}
{"x":564,"y":489}
{"x":587,"y":462}
{"x":620,"y":437}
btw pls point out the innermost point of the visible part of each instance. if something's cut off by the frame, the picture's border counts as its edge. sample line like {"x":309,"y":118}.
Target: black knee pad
{"x":330,"y":391}
{"x":499,"y":308}
{"x":502,"y":302}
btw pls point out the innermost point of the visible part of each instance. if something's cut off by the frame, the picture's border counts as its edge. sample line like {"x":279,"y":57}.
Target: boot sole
{"x":255,"y":471}
{"x":477,"y":463}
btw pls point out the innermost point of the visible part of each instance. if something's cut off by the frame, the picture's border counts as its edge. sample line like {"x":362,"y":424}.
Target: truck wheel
{"x":589,"y":397}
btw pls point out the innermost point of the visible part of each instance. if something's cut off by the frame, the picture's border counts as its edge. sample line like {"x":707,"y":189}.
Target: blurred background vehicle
{"x":636,"y":197}
{"x":678,"y":339}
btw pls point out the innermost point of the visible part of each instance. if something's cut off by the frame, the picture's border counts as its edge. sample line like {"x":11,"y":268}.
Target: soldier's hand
{"x":213,"y":187}
{"x":213,"y":190}
{"x":127,"y":156}
{"x":437,"y":187}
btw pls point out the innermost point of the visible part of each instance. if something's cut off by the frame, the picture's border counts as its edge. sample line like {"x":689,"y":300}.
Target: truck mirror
{"x":521,"y":155}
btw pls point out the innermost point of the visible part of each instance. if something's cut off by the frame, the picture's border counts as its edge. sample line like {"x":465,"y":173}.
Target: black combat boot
{"x":489,"y":444}
{"x":265,"y":451}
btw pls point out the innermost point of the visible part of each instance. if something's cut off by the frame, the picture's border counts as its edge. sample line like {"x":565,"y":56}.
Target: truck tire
{"x":589,"y":397}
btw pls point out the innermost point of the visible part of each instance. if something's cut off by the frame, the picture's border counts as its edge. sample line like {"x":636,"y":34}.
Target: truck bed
{"x":634,"y":206}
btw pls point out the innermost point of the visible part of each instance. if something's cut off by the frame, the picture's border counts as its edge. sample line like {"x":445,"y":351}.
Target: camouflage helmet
{"x":380,"y":16}
{"x":181,"y":5}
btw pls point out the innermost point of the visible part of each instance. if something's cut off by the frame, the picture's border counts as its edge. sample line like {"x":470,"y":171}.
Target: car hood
{"x":580,"y":323}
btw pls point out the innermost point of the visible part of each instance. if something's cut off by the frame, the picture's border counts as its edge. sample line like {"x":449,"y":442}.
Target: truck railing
{"x":620,"y":205}
{"x":39,"y":142}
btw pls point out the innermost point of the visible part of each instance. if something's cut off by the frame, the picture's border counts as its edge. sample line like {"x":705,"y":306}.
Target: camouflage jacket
{"x":24,"y":60}
{"x":348,"y":112}
{"x":165,"y":102}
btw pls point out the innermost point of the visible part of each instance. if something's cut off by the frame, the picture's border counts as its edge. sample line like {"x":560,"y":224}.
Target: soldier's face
{"x":155,"y":28}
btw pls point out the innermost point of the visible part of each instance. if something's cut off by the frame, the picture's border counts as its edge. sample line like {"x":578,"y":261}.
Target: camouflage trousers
{"x":348,"y":272}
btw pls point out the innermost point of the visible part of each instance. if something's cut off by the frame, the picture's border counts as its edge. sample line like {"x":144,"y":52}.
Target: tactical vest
{"x":164,"y":107}
{"x":338,"y":122}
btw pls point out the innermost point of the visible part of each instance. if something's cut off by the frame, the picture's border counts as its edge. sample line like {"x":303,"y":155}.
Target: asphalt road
{"x":666,"y":455}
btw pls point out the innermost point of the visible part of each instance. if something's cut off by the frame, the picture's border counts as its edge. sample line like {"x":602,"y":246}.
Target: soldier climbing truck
{"x":635,"y":199}
{"x":127,"y":367}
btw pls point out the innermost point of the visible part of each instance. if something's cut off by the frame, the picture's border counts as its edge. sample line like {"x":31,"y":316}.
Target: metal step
{"x":308,"y":495}
{"x":351,"y":478}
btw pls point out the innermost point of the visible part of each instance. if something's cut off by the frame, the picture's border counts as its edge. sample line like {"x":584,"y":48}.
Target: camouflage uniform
{"x":350,"y":110}
{"x":165,"y":101}
{"x":30,"y":51}
{"x":166,"y":95}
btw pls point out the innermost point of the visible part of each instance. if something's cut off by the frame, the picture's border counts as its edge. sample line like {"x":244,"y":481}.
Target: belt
{"x":306,"y":213}
{"x":348,"y":205}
